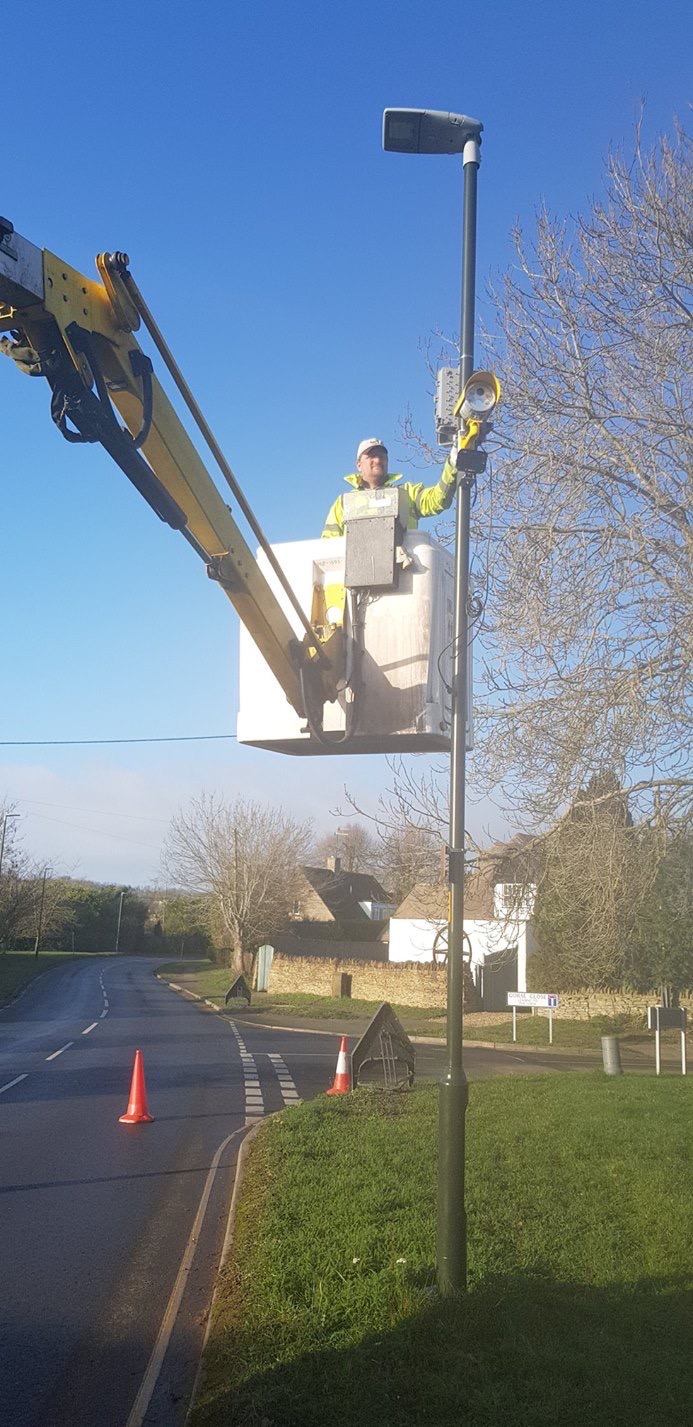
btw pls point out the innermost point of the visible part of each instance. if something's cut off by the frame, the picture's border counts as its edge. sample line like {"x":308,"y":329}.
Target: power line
{"x":97,"y":831}
{"x":83,"y":742}
{"x":96,"y":812}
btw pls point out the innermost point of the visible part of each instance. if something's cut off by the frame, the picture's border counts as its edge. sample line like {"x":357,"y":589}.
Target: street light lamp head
{"x":428,"y":131}
{"x":480,"y":394}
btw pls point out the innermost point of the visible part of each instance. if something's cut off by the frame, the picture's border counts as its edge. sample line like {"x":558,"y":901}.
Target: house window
{"x":297,"y":908}
{"x":513,"y":899}
{"x":377,"y":911}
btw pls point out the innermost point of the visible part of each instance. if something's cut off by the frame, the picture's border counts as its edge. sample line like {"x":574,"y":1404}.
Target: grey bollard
{"x":611,"y":1055}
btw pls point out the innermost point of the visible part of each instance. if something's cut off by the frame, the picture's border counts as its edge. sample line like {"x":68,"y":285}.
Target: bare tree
{"x":16,"y":884}
{"x":352,"y":843}
{"x":596,"y":870}
{"x":583,"y":528}
{"x":582,"y":552}
{"x":410,"y":827}
{"x":245,"y":858}
{"x":581,"y":524}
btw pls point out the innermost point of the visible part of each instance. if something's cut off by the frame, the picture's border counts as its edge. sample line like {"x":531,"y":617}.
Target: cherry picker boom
{"x":313,"y":687}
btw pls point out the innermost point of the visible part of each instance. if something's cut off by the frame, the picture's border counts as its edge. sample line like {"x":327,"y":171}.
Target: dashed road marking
{"x":10,"y":1083}
{"x":289,"y":1093}
{"x":92,"y":1027}
{"x":254,"y":1101}
{"x":59,"y":1052}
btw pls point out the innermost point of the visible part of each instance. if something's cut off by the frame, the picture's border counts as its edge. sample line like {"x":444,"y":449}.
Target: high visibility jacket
{"x":422,"y":500}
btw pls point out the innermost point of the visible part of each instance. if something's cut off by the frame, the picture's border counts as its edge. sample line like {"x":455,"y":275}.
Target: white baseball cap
{"x":368,"y":445}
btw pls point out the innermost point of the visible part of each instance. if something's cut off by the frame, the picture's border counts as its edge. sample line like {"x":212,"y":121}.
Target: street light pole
{"x":430,"y":131}
{"x":39,"y":929}
{"x":120,"y":913}
{"x":454,"y":1094}
{"x":2,"y":839}
{"x":2,"y":843}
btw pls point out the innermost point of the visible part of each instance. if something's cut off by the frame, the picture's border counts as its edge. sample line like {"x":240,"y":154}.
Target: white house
{"x":498,"y":929}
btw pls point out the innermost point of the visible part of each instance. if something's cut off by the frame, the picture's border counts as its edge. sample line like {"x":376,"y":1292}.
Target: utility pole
{"x":2,"y":837}
{"x":40,"y":916}
{"x":120,"y":913}
{"x":434,"y":132}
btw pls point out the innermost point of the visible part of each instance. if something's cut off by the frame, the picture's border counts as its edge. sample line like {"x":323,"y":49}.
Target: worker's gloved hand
{"x":25,"y":357}
{"x":450,"y":468}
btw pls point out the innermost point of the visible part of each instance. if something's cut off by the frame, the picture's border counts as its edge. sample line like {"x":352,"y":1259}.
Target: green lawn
{"x":18,"y":968}
{"x":579,"y":1312}
{"x":214,"y":982}
{"x":534,"y":1030}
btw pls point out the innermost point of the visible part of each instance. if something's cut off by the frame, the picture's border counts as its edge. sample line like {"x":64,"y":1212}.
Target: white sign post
{"x":548,"y":1000}
{"x":667,"y":1018}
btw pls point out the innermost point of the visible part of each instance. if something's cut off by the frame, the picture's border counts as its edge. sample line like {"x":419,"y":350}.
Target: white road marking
{"x":59,"y":1052}
{"x":290,"y":1094}
{"x":10,"y":1083}
{"x":92,"y":1027}
{"x":254,"y":1101}
{"x":144,"y":1396}
{"x":103,"y":1013}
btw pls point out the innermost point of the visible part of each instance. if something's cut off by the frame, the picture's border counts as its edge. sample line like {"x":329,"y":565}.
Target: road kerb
{"x":516,"y":1048}
{"x":226,"y":1246}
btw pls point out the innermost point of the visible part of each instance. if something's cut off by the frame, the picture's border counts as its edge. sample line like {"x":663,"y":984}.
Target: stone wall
{"x":581,"y":1005}
{"x":414,"y":983}
{"x":407,"y":983}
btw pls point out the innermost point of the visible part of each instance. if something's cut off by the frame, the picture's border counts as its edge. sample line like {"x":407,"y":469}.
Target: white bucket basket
{"x":403,"y":701}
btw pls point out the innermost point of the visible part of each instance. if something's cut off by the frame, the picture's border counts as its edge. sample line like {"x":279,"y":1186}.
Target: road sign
{"x":667,"y":1018}
{"x":239,"y":990}
{"x":386,"y":1045}
{"x":547,"y":999}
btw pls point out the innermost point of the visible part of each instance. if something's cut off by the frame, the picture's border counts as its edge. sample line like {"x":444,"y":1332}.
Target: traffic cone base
{"x":342,"y":1079}
{"x":137,"y":1112}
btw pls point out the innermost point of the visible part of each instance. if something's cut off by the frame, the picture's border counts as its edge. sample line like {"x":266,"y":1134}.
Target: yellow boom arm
{"x":81,"y":333}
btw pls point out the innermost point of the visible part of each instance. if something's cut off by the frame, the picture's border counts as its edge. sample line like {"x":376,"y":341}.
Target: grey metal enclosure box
{"x":373,"y":530}
{"x":370,"y":554}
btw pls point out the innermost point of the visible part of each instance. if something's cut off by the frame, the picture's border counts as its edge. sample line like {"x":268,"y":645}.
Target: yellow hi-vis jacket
{"x":423,"y":500}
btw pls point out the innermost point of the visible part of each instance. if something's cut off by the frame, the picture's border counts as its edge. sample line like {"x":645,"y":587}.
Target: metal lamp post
{"x":39,"y":928}
{"x":421,"y":131}
{"x":120,"y":913}
{"x":2,"y":836}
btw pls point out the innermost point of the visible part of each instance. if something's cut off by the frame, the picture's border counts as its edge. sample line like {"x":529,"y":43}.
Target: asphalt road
{"x":96,"y":1215}
{"x":102,"y":1242}
{"x":480,"y":1062}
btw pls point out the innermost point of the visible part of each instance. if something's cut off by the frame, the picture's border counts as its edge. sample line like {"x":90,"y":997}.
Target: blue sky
{"x":234,"y":151}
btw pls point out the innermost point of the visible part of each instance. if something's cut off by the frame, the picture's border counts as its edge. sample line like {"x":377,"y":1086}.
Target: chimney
{"x":334,"y":864}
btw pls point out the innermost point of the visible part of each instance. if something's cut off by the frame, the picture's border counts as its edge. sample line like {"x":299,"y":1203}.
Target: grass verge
{"x":18,"y":968}
{"x":579,"y":1312}
{"x":214,"y":981}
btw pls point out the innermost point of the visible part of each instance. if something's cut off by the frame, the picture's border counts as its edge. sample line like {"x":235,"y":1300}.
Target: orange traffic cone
{"x":137,"y":1107}
{"x":342,"y":1079}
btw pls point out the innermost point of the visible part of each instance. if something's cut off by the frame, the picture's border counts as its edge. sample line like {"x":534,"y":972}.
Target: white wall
{"x":411,"y":939}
